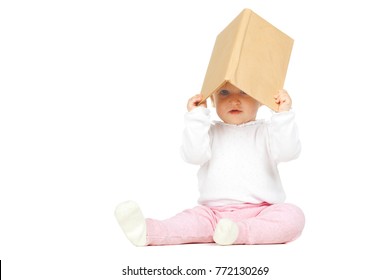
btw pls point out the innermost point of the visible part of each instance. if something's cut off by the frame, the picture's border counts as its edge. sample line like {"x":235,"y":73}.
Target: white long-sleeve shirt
{"x":238,"y":163}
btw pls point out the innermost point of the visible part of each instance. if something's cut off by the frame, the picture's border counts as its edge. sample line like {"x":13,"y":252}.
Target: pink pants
{"x":258,"y":224}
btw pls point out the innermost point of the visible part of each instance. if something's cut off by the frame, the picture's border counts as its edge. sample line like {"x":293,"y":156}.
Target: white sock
{"x":226,"y":232}
{"x":132,"y":222}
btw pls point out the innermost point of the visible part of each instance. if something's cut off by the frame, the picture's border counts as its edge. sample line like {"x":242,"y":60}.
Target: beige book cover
{"x":251,"y":54}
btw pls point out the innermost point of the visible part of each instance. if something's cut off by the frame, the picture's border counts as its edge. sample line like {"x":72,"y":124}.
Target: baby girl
{"x":241,"y":196}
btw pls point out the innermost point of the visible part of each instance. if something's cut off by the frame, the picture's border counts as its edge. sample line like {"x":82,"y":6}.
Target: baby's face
{"x":234,"y":106}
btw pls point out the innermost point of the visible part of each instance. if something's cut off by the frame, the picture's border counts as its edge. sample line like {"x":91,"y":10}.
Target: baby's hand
{"x":283,"y":100}
{"x":193,"y":102}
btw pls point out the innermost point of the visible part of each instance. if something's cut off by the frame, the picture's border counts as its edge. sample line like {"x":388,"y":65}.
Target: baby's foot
{"x":226,"y":232}
{"x":132,"y":221}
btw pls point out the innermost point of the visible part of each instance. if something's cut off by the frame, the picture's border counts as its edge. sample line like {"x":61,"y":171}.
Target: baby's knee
{"x":293,"y":220}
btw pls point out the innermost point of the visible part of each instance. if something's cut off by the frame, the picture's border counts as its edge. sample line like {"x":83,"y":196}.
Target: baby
{"x":241,"y":196}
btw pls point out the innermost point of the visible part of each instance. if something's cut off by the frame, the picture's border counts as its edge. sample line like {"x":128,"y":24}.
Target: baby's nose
{"x":235,"y":100}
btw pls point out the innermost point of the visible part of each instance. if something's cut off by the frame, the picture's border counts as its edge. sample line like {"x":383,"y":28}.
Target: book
{"x":251,"y":54}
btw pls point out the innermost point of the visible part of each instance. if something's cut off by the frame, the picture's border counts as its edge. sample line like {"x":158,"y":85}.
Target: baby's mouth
{"x":235,"y":111}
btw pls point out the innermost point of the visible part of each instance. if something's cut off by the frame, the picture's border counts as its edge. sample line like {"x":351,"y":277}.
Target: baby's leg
{"x":191,"y":226}
{"x":278,"y":223}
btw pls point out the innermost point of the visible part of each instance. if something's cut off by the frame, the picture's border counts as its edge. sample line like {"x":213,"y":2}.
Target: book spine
{"x":238,"y":44}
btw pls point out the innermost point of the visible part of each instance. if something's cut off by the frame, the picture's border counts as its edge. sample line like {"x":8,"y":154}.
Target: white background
{"x":91,"y":113}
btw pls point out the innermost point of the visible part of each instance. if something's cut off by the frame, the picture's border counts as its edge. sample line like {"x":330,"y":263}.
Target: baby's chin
{"x":236,"y":117}
{"x":236,"y":121}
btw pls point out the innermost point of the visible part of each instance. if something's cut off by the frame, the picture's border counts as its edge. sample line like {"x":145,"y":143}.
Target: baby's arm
{"x":195,"y":147}
{"x":284,"y":138}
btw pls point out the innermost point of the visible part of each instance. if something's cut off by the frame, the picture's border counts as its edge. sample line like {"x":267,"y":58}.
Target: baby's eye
{"x":224,"y":92}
